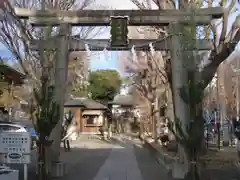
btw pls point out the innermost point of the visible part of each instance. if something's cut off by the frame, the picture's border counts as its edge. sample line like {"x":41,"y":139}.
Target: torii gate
{"x":103,"y":18}
{"x":63,"y":44}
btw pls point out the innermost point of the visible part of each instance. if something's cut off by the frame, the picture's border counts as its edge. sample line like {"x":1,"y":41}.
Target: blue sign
{"x":33,"y":132}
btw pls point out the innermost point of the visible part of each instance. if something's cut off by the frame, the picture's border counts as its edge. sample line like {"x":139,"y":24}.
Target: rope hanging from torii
{"x":133,"y":49}
{"x":119,"y":37}
{"x":94,"y":46}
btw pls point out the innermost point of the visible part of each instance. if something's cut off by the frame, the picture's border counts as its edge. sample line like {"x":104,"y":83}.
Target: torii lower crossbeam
{"x":101,"y":44}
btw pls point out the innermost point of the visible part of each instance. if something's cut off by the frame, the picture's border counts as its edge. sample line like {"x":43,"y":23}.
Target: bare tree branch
{"x":16,"y":34}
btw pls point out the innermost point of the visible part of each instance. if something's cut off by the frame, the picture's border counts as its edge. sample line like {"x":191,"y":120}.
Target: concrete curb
{"x":237,"y":166}
{"x":160,"y":161}
{"x":162,"y":158}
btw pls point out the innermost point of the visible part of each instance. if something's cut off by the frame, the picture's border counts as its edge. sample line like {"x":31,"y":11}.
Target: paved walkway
{"x":120,"y":165}
{"x":120,"y":159}
{"x":82,"y":150}
{"x":130,"y":161}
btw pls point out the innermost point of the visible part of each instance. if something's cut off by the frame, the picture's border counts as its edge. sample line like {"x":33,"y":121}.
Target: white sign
{"x":15,"y":142}
{"x":16,"y":158}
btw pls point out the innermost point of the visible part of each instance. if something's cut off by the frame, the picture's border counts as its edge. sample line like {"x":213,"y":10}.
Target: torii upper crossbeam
{"x":202,"y":16}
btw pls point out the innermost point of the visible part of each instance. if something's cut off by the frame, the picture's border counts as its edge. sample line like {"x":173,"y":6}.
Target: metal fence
{"x":212,"y":134}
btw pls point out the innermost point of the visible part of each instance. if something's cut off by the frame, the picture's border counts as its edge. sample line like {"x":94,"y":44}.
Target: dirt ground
{"x":217,"y":164}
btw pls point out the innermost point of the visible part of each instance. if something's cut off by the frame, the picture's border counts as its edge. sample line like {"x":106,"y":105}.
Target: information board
{"x":15,"y":142}
{"x":16,"y":158}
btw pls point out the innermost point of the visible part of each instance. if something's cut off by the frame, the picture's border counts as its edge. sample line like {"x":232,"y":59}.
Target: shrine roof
{"x":85,"y":103}
{"x":123,"y":100}
{"x":11,"y":74}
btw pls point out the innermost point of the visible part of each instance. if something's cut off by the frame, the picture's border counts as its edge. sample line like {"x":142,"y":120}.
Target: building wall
{"x":81,"y":122}
{"x":95,"y":122}
{"x":228,"y":88}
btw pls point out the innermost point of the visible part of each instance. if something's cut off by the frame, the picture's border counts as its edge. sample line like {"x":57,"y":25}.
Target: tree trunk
{"x":193,"y":173}
{"x":141,"y":129}
{"x":42,"y":172}
{"x":117,"y":124}
{"x":153,"y":121}
{"x":110,"y":130}
{"x":203,"y":141}
{"x":42,"y":168}
{"x":170,"y":111}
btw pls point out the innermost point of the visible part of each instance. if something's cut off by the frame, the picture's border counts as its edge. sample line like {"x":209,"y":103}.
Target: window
{"x":91,"y":120}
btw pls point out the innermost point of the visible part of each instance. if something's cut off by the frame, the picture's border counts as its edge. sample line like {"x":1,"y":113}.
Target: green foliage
{"x":47,"y":115}
{"x":192,"y":94}
{"x":190,"y":135}
{"x":190,"y":138}
{"x":224,"y":2}
{"x":230,"y":3}
{"x":237,"y":21}
{"x":104,"y":84}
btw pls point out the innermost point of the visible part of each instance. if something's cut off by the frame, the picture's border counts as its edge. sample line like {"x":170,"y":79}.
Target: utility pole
{"x":224,"y":123}
{"x":237,"y":93}
{"x":218,"y":113}
{"x":237,"y":71}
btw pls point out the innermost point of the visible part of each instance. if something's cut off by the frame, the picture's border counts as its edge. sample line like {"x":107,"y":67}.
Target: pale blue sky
{"x":98,"y":61}
{"x":4,"y":52}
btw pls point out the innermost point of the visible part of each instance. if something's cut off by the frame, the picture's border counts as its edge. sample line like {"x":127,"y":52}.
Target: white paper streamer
{"x":134,"y":54}
{"x":88,"y":59}
{"x":105,"y":53}
{"x":152,"y":50}
{"x":87,"y":49}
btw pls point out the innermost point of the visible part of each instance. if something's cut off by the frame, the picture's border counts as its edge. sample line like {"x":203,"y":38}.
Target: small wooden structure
{"x":123,"y":100}
{"x":123,"y":111}
{"x":9,"y":78}
{"x":122,"y":103}
{"x":87,"y":113}
{"x":10,"y":75}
